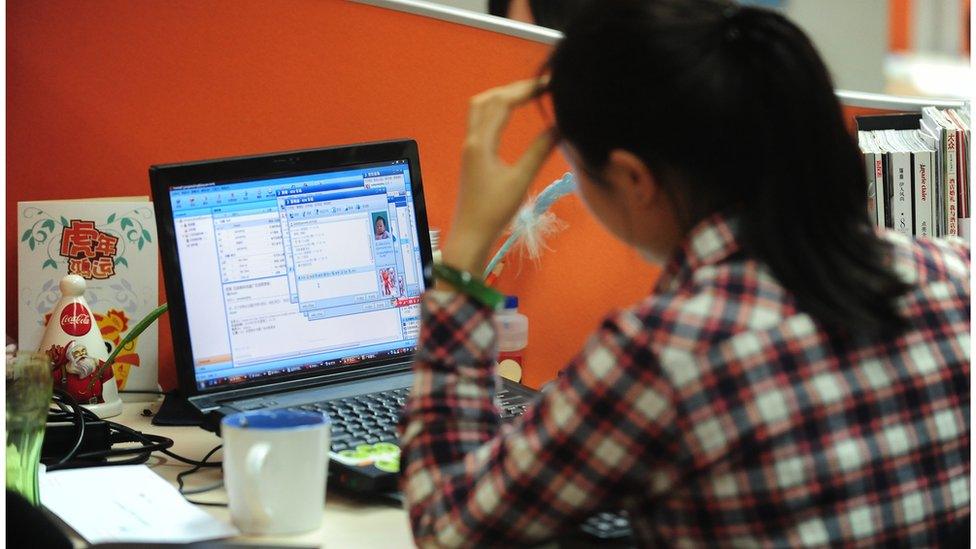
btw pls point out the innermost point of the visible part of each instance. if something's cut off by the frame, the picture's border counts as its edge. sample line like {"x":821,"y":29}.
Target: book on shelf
{"x":112,"y":244}
{"x":916,"y":168}
{"x":874,"y":170}
{"x":932,"y":140}
{"x":902,"y":180}
{"x":922,"y":158}
{"x":961,"y":120}
{"x":944,"y":130}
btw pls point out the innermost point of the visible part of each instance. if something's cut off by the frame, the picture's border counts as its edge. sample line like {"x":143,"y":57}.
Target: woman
{"x":794,"y":378}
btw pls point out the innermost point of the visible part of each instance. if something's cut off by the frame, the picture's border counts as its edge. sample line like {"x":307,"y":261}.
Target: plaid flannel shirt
{"x":714,"y":411}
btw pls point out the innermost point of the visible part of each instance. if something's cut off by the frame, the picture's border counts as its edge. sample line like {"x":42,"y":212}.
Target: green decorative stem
{"x":133,"y":333}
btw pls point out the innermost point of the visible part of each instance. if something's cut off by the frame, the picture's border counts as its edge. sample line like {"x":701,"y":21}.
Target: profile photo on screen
{"x":380,"y":227}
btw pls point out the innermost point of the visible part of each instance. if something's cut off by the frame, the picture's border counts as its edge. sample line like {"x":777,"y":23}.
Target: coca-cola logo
{"x":75,"y":320}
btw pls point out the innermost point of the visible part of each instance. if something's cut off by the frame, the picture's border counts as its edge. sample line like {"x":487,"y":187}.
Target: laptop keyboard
{"x":363,"y":419}
{"x":372,"y":418}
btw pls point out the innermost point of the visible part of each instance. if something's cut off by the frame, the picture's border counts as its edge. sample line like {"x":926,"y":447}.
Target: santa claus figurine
{"x":79,"y":363}
{"x":78,"y":353}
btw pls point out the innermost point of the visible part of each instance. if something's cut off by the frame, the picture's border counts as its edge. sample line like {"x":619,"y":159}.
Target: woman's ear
{"x":628,"y":174}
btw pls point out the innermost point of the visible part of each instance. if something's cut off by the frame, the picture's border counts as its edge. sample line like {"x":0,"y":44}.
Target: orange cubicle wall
{"x":98,"y":91}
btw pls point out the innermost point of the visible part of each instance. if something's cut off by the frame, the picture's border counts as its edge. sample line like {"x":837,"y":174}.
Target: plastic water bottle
{"x":513,"y":337}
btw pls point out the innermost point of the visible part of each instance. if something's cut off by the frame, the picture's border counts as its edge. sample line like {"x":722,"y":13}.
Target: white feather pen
{"x":533,"y":223}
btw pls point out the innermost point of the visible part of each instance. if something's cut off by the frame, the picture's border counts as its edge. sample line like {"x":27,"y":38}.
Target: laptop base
{"x":176,"y":411}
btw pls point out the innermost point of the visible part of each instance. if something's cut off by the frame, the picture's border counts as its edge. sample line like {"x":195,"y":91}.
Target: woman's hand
{"x":491,"y":190}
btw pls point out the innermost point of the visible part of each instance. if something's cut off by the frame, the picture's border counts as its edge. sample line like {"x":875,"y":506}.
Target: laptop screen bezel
{"x":220,"y":171}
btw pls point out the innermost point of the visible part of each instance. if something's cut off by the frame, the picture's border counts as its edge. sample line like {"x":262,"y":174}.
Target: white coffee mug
{"x":275,"y":468}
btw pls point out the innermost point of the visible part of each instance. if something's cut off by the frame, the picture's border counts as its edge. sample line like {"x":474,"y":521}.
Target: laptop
{"x":294,"y":281}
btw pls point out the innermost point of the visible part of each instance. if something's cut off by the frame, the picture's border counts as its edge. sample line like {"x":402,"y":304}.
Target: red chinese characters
{"x":90,"y":252}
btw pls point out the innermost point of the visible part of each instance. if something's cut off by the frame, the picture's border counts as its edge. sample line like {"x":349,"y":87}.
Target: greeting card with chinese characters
{"x":112,"y":244}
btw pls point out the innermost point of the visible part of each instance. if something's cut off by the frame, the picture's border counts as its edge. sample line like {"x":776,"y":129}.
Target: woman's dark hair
{"x":733,"y":111}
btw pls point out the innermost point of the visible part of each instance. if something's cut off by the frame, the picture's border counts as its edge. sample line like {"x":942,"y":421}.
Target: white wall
{"x":936,"y":27}
{"x":851,"y":35}
{"x":474,"y":5}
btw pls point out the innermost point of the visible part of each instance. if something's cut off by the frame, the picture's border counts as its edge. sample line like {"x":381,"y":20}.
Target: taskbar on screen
{"x":332,"y":363}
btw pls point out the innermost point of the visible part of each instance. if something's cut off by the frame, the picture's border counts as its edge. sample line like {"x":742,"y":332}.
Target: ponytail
{"x":734,"y":111}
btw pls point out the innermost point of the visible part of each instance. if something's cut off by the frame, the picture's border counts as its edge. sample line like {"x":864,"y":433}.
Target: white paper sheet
{"x":126,"y":503}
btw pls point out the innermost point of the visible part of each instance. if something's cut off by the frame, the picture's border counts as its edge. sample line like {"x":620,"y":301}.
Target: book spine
{"x":939,"y":194}
{"x":962,"y":175}
{"x":923,"y":193}
{"x":913,"y":190}
{"x":962,"y":161}
{"x":901,"y":181}
{"x":872,"y":193}
{"x":932,"y":135}
{"x":880,"y":195}
{"x":951,"y":184}
{"x":889,"y":191}
{"x":962,"y":180}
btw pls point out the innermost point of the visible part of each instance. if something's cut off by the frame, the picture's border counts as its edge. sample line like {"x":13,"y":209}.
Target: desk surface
{"x":346,"y":523}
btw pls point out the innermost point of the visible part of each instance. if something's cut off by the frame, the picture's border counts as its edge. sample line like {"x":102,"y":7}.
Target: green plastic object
{"x":28,"y":394}
{"x":133,"y":333}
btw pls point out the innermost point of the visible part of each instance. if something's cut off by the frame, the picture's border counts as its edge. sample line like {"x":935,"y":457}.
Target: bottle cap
{"x":73,"y":285}
{"x":511,"y":302}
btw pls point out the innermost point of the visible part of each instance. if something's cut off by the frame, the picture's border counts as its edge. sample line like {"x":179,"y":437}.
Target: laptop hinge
{"x":211,"y":401}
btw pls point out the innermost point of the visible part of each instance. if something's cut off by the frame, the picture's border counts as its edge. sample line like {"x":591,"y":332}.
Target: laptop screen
{"x":298,"y":272}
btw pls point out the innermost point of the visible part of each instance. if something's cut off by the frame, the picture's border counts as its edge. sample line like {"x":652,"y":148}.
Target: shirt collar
{"x":711,"y":241}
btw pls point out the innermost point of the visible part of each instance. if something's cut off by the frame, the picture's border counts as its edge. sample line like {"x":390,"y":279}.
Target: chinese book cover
{"x":112,"y":244}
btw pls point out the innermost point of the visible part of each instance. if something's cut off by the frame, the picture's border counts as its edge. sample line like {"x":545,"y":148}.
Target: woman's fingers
{"x":490,"y":111}
{"x":491,"y":190}
{"x":499,"y":107}
{"x":536,"y":154}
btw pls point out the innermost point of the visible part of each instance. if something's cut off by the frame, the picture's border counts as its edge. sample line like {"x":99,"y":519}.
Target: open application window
{"x":300,"y":272}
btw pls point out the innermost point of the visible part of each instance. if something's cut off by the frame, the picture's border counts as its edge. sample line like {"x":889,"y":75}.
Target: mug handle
{"x":254,"y":463}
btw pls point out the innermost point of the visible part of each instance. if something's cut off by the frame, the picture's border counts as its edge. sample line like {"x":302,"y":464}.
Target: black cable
{"x":69,"y":411}
{"x":203,"y":463}
{"x":79,"y":421}
{"x":98,"y":458}
{"x":80,"y":415}
{"x":179,"y":477}
{"x":207,"y":503}
{"x":61,"y":407}
{"x":82,"y":463}
{"x":140,"y":435}
{"x":191,"y":462}
{"x":153,"y":443}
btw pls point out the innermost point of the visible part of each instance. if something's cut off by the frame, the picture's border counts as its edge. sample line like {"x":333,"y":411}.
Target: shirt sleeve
{"x":604,"y":431}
